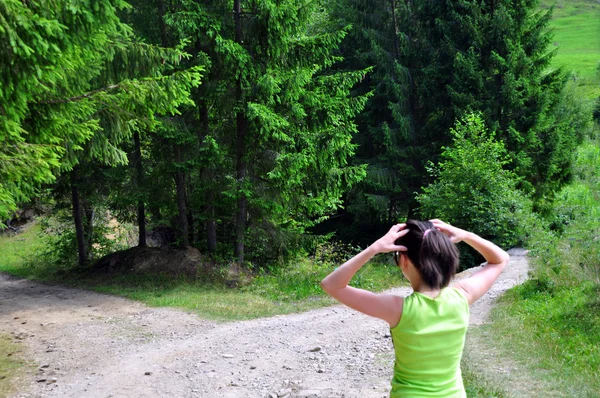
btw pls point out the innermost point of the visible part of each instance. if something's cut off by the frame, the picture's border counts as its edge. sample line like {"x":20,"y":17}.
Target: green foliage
{"x":73,"y":78}
{"x":60,"y":245}
{"x":434,"y":63}
{"x":557,"y":310}
{"x":385,"y":135}
{"x":473,"y":190}
{"x":10,"y":364}
{"x":572,"y":253}
{"x":270,"y":125}
{"x":300,"y":279}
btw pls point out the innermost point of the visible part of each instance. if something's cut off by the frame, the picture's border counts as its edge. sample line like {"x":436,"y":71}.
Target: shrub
{"x":573,"y":251}
{"x":473,"y":189}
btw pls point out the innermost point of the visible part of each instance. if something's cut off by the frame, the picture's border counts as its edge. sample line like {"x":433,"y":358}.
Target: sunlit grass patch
{"x":17,"y":249}
{"x":209,"y":301}
{"x":10,"y":365}
{"x":555,"y":332}
{"x":301,"y":279}
{"x":290,"y":289}
{"x":576,"y":28}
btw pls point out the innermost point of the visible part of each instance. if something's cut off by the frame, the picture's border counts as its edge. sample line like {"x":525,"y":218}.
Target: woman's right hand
{"x":455,"y":234}
{"x":387,"y":243}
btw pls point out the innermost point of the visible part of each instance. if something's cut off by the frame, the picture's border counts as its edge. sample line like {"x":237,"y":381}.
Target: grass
{"x":17,"y":250}
{"x":554,"y":334}
{"x":210,"y":301}
{"x":477,"y":384}
{"x":576,"y":28}
{"x":550,"y":325}
{"x":10,"y":365}
{"x":288,"y":289}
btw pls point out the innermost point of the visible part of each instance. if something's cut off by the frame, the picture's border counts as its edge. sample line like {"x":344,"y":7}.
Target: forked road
{"x":84,"y":344}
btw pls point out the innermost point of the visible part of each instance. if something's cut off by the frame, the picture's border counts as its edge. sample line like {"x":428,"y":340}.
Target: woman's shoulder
{"x":456,"y":294}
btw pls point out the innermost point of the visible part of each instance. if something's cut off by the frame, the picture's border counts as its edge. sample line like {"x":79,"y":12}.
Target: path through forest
{"x":85,"y":344}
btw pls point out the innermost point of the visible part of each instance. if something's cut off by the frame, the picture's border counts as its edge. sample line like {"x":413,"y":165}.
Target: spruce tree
{"x":385,"y":136}
{"x":279,"y":127}
{"x":76,"y":84}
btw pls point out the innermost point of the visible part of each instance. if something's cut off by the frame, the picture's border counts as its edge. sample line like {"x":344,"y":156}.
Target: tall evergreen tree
{"x":385,"y":135}
{"x":491,"y":57}
{"x":279,"y":128}
{"x":436,"y":61}
{"x":76,"y":85}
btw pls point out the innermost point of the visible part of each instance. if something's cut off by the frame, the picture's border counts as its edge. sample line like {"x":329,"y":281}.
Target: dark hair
{"x":431,"y":252}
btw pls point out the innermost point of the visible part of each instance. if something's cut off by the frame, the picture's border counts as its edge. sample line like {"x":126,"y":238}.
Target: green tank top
{"x":428,"y":342}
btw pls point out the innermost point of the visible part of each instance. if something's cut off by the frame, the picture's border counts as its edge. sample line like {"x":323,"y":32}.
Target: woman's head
{"x":431,"y":252}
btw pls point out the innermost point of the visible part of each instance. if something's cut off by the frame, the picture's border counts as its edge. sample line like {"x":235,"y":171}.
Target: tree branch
{"x":80,"y":97}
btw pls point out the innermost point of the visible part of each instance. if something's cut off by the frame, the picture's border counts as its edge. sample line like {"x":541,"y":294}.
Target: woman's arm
{"x":481,"y":281}
{"x":384,"y":306}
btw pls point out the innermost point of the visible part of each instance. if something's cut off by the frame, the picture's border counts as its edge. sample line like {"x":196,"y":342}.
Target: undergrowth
{"x":552,"y":321}
{"x":281,"y":290}
{"x":10,"y":365}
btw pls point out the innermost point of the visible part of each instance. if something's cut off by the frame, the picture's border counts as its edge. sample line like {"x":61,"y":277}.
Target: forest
{"x":253,"y":130}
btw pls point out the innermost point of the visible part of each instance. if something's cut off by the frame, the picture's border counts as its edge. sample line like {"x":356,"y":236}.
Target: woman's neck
{"x":422,"y":288}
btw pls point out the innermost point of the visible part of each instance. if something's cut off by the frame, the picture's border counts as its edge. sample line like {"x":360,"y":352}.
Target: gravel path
{"x":85,"y":344}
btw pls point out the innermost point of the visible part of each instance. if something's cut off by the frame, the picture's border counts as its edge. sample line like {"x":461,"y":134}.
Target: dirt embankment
{"x":86,"y":344}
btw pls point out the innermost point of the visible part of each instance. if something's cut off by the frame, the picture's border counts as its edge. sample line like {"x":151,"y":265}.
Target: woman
{"x":428,"y":327}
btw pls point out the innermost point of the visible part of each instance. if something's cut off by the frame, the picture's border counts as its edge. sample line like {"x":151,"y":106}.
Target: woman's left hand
{"x":387,"y":243}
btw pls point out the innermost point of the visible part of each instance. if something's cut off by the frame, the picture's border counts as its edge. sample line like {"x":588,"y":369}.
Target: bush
{"x":60,"y":241}
{"x":474,"y":191}
{"x":572,"y":251}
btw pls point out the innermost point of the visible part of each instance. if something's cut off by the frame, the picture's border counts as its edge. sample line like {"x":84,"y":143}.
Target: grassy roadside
{"x":10,"y":365}
{"x":549,"y":327}
{"x":544,"y":339}
{"x":291,"y":289}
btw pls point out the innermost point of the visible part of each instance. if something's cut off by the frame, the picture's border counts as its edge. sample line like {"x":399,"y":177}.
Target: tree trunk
{"x":188,"y":212}
{"x":240,"y":149}
{"x":90,"y":216}
{"x":141,"y":212}
{"x":181,"y":202}
{"x":81,"y":248}
{"x":209,"y":197}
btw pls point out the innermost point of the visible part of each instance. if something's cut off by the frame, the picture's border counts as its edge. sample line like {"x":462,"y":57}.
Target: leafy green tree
{"x":274,"y":128}
{"x":474,"y":190}
{"x":385,"y":136}
{"x":78,"y":85}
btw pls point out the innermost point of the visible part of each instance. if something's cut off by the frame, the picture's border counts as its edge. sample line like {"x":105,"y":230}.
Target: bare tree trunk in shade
{"x":240,"y":147}
{"x":141,"y":212}
{"x":188,"y":211}
{"x":208,"y":176}
{"x":181,"y":203}
{"x":90,"y":216}
{"x":81,"y":248}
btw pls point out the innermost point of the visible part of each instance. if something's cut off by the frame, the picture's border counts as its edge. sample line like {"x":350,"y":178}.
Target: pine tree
{"x":492,"y":57}
{"x":279,"y":127}
{"x":385,"y":135}
{"x":79,"y":86}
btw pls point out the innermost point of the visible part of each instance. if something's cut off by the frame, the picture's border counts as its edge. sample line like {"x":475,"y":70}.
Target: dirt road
{"x":85,"y":344}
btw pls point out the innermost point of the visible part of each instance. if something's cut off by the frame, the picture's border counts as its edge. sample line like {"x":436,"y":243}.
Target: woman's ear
{"x":402,"y":261}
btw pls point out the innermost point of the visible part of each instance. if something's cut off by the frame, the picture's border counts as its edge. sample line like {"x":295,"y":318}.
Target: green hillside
{"x":576,"y":26}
